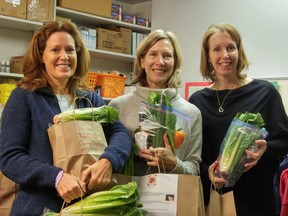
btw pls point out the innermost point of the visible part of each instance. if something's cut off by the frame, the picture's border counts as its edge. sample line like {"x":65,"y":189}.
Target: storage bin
{"x":91,"y":80}
{"x":111,"y":85}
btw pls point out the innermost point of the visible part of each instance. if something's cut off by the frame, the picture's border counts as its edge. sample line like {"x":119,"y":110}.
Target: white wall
{"x":263,"y":25}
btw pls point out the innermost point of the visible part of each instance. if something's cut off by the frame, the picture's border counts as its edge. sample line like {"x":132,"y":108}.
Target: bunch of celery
{"x":243,"y":131}
{"x":121,"y":200}
{"x":102,"y":114}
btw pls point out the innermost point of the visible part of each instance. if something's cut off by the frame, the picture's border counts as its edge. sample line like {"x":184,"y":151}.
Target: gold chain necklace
{"x":221,"y":109}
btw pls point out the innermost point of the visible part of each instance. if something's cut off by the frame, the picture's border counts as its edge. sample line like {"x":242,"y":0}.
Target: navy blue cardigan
{"x":25,"y":153}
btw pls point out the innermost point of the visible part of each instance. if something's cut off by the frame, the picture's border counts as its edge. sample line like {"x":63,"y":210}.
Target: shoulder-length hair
{"x":35,"y":74}
{"x":174,"y":80}
{"x":205,"y":67}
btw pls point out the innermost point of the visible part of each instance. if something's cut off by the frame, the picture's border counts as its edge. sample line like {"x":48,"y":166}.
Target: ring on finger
{"x":151,"y":158}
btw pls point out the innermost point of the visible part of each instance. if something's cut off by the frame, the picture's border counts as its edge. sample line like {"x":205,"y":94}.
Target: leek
{"x":102,"y":114}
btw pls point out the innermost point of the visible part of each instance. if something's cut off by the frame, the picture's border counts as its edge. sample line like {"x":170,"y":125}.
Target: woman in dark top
{"x":223,"y":62}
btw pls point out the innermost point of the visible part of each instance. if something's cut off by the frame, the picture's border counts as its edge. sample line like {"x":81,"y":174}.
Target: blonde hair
{"x":173,"y":81}
{"x":205,"y":67}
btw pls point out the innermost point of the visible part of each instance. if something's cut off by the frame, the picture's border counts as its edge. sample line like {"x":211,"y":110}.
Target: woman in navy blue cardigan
{"x":54,"y":71}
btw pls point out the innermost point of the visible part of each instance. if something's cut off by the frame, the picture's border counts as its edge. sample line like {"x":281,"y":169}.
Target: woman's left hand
{"x":160,"y":156}
{"x":98,"y":175}
{"x":262,"y":146}
{"x":216,"y":180}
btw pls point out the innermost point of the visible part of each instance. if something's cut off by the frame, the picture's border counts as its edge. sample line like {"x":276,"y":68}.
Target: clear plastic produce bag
{"x":160,"y":120}
{"x":232,"y":158}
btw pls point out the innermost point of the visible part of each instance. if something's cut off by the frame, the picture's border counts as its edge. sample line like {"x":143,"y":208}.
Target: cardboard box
{"x":142,"y":21}
{"x":129,"y":18}
{"x":40,"y":10}
{"x":16,"y":64}
{"x":109,"y":40}
{"x":96,"y":7}
{"x":13,"y":8}
{"x":127,"y":37}
{"x":116,"y":11}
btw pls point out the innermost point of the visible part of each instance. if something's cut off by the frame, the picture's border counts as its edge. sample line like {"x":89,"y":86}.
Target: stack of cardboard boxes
{"x":110,"y":38}
{"x":107,"y":38}
{"x":28,"y":9}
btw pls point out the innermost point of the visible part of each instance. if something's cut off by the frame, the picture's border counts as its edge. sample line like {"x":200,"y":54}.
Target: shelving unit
{"x":124,"y":61}
{"x":10,"y":75}
{"x":18,"y":24}
{"x":15,"y":29}
{"x":93,"y":20}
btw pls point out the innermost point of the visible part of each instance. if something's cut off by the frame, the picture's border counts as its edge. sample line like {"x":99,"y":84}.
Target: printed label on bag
{"x":158,"y":193}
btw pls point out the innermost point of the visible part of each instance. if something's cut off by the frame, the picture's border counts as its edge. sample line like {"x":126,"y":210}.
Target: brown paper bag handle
{"x":74,"y":103}
{"x":158,"y":166}
{"x":65,"y":203}
{"x":220,"y":191}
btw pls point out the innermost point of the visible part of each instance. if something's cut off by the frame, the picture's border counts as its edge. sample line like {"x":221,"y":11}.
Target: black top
{"x":254,"y":191}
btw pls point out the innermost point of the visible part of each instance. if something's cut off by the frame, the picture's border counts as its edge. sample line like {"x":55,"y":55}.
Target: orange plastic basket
{"x":91,"y":80}
{"x":111,"y":85}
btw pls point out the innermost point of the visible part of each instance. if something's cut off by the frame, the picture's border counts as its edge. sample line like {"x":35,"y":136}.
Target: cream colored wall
{"x":262,"y":26}
{"x":283,"y":89}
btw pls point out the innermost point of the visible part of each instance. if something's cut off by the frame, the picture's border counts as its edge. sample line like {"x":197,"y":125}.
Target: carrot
{"x":178,"y":138}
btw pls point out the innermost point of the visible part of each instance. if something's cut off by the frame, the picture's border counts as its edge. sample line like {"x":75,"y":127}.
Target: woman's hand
{"x":98,"y":175}
{"x":70,"y":187}
{"x":161,"y":157}
{"x":255,"y":156}
{"x":216,"y":180}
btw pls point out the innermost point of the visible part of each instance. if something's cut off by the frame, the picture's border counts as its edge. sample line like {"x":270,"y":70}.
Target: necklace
{"x":221,"y":109}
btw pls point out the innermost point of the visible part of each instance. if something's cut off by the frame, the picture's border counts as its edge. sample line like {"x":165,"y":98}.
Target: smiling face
{"x":60,"y":57}
{"x":158,"y":64}
{"x":223,"y":54}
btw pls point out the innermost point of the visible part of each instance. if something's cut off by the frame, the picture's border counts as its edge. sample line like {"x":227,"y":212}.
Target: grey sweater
{"x":189,"y":154}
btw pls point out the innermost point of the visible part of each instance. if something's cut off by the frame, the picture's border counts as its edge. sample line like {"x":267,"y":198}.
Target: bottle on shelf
{"x":3,"y":67}
{"x":7,"y":67}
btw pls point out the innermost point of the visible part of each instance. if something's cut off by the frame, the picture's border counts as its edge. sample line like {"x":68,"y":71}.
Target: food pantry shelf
{"x":10,"y":75}
{"x":93,"y":20}
{"x":111,"y":55}
{"x":19,"y":24}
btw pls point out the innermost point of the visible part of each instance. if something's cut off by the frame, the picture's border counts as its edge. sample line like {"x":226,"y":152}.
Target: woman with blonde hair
{"x":157,"y":67}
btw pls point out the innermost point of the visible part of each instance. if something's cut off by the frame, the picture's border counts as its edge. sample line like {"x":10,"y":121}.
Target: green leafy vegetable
{"x":243,"y":131}
{"x":103,"y":114}
{"x":121,"y":200}
{"x":162,"y":113}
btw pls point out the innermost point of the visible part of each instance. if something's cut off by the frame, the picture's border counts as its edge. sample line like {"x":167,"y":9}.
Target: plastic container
{"x":91,"y":80}
{"x":111,"y":85}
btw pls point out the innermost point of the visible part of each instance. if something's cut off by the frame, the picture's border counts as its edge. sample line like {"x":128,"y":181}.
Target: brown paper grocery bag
{"x":8,"y":190}
{"x":76,"y":145}
{"x":190,"y":194}
{"x":190,"y":201}
{"x":221,"y":204}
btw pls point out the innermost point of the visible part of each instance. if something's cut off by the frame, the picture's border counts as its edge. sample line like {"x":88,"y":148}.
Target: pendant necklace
{"x":221,"y":109}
